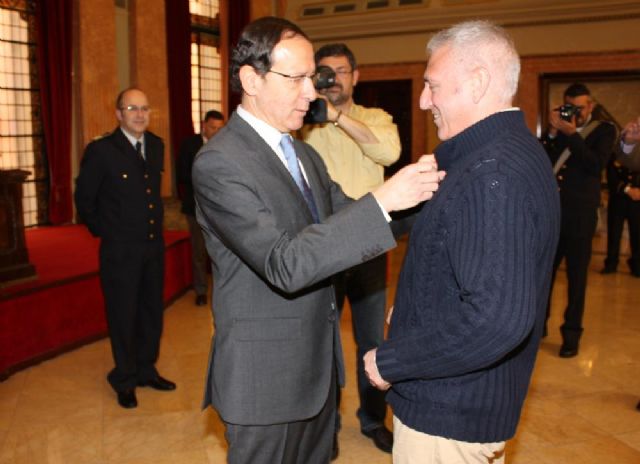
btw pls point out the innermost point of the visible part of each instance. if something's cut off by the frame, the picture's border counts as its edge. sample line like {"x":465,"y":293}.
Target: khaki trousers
{"x":413,"y":447}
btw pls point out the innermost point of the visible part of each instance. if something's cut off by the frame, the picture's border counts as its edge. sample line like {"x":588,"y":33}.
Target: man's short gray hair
{"x":482,"y":43}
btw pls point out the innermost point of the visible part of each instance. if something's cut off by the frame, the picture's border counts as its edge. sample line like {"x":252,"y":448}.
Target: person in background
{"x":277,"y":228}
{"x":211,"y":124}
{"x":471,"y":298}
{"x":118,"y":197}
{"x":579,"y":147}
{"x":623,"y":178}
{"x":356,"y":144}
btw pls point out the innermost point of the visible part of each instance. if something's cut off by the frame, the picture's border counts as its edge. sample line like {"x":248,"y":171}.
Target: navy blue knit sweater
{"x":473,"y":289}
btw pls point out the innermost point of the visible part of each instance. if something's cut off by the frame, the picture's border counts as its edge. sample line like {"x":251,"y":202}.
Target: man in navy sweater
{"x":471,"y":299}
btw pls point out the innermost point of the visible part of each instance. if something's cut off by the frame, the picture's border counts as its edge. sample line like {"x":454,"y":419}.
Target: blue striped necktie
{"x":294,"y":168}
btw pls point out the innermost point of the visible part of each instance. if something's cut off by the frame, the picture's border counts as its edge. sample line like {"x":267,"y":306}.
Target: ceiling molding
{"x":433,"y":16}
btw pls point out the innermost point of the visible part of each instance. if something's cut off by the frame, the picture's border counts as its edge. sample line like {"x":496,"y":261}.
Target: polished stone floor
{"x":579,"y":410}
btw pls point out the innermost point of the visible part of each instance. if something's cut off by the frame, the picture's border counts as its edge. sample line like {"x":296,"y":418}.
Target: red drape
{"x":239,"y":15}
{"x":178,"y":27}
{"x":53,"y":22}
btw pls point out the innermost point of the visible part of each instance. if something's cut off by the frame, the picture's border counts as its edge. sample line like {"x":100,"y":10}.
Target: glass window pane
{"x":207,"y":8}
{"x":205,"y":59}
{"x":21,"y":148}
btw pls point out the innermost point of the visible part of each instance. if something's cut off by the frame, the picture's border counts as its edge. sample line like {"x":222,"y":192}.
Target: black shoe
{"x":336,"y":449}
{"x":201,"y":300}
{"x":570,"y":342}
{"x":159,"y":383}
{"x":608,"y":270}
{"x":568,"y":351}
{"x":127,"y":398}
{"x":382,"y":438}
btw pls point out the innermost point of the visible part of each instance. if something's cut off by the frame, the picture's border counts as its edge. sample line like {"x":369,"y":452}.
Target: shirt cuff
{"x":627,"y":148}
{"x":386,"y":215}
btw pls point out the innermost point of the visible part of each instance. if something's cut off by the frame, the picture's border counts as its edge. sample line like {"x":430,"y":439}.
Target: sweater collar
{"x":475,"y":136}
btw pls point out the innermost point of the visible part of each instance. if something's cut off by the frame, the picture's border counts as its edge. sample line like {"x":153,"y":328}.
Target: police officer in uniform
{"x":118,"y":197}
{"x":623,"y":179}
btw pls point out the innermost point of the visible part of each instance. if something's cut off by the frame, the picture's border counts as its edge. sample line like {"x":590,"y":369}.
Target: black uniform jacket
{"x":580,"y":177}
{"x":118,"y":194}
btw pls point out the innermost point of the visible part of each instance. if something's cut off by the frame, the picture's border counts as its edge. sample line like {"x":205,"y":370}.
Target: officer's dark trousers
{"x":132,"y":276}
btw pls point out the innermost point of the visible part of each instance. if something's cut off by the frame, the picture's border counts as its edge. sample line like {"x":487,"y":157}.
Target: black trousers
{"x":365,"y":287}
{"x":576,"y":250}
{"x":303,"y":442}
{"x":622,"y":208}
{"x":132,"y":278}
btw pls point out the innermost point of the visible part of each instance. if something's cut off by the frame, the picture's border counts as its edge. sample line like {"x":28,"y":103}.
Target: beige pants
{"x":413,"y":447}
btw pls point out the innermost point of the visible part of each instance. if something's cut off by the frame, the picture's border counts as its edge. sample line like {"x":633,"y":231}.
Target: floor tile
{"x":578,"y":411}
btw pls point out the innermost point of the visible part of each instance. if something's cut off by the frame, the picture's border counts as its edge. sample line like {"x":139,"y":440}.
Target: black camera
{"x":325,"y":77}
{"x":568,"y":111}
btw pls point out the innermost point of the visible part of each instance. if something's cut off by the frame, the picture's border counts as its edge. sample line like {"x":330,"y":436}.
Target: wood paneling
{"x":149,"y":71}
{"x":421,"y":139}
{"x":95,"y":78}
{"x":533,"y":67}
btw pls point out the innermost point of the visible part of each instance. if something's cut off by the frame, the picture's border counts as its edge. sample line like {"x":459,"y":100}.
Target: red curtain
{"x":239,"y":15}
{"x":178,"y":28}
{"x":53,"y":23}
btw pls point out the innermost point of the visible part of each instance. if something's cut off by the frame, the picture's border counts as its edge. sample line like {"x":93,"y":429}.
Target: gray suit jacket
{"x":276,"y":334}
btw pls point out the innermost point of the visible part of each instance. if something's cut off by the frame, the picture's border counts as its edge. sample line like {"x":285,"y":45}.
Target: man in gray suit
{"x":277,"y":228}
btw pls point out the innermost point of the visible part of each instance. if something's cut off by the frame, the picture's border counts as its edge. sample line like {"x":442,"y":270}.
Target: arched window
{"x":21,"y":136}
{"x":206,"y":76}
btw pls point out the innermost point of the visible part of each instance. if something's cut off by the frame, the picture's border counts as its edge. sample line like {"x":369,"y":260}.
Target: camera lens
{"x":567,"y":111}
{"x":325,"y":77}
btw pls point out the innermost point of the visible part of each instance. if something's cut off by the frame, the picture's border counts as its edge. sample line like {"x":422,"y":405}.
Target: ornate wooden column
{"x":14,"y":258}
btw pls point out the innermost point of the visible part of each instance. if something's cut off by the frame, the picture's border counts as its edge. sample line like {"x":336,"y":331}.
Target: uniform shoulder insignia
{"x":98,"y":137}
{"x":156,"y":136}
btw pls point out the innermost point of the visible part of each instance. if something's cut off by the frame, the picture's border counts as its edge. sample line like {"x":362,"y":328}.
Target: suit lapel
{"x":124,"y":146}
{"x":153,"y":154}
{"x":267,"y":160}
{"x":313,"y":177}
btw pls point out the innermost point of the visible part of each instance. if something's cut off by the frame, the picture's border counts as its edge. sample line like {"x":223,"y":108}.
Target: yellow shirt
{"x":358,"y":168}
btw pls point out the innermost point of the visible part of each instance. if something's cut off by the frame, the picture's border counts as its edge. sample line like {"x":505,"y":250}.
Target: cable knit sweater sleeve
{"x":471,"y":296}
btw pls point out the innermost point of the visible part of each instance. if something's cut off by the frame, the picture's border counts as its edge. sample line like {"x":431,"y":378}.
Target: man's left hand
{"x":566,"y":127}
{"x":332,"y":112}
{"x":631,"y":132}
{"x":371,"y":370}
{"x":634,"y":193}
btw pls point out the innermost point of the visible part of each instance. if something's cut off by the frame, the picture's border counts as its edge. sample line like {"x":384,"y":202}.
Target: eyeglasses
{"x":343,"y":72}
{"x":297,"y":79}
{"x":135,"y":109}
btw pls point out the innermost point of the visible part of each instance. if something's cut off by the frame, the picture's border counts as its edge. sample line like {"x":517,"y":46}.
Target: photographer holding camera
{"x":356,"y":143}
{"x":579,"y":147}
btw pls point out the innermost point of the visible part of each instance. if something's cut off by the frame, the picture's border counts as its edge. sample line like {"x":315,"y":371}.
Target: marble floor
{"x":579,"y":410}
